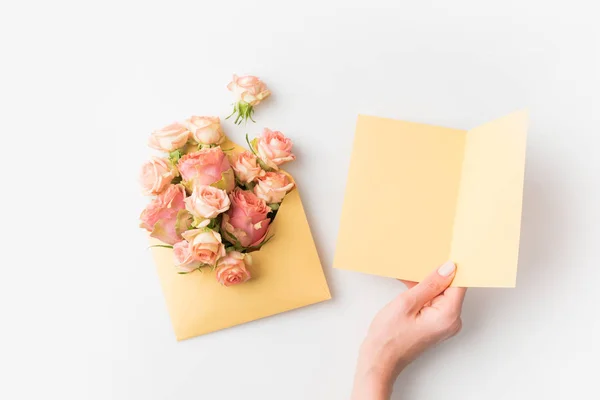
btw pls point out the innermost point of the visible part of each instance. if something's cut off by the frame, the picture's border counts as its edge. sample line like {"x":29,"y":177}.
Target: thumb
{"x":432,"y":285}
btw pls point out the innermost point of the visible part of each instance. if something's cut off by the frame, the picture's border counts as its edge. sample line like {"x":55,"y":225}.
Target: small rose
{"x":249,"y":91}
{"x":232,"y":269}
{"x":246,"y":221}
{"x":246,"y":168}
{"x":207,"y":202}
{"x":207,"y":167}
{"x":165,"y":217}
{"x":206,"y":130}
{"x":184,"y":258}
{"x":205,"y":245}
{"x":274,"y":148}
{"x":272,"y":187}
{"x":169,"y":138}
{"x":156,"y":175}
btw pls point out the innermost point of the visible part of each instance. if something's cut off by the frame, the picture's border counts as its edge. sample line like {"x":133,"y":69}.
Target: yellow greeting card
{"x":418,"y":195}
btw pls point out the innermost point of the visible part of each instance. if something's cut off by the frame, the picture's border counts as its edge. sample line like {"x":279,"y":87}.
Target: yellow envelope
{"x":286,"y":274}
{"x":418,"y":195}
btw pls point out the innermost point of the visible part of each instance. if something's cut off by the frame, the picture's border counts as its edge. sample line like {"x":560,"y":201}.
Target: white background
{"x":84,"y":83}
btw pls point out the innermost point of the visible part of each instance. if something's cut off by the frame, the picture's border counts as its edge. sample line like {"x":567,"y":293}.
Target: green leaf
{"x":274,"y":206}
{"x":236,"y":243}
{"x":233,"y":112}
{"x":263,"y":165}
{"x":250,"y":145}
{"x":250,"y":113}
{"x":197,"y":269}
{"x":175,"y":155}
{"x":243,"y":111}
{"x":213,"y":224}
{"x":166,"y":246}
{"x":227,"y":177}
{"x":258,"y":247}
{"x":250,"y":186}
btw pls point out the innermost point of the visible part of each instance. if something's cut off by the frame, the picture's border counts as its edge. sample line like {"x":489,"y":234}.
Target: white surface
{"x":83,"y":314}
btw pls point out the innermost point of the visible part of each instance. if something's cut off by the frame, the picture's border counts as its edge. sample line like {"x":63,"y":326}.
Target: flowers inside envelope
{"x":286,"y":274}
{"x":228,"y":231}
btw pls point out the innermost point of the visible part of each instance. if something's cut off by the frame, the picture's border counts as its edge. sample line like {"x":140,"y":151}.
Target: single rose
{"x":248,"y":89}
{"x":232,"y":269}
{"x":169,"y":138}
{"x":156,"y":175}
{"x":184,"y":258}
{"x":273,"y":186}
{"x":206,"y":130}
{"x":246,"y":221}
{"x":246,"y":168}
{"x":205,"y":245}
{"x":207,"y":167}
{"x":165,"y":217}
{"x":207,"y":202}
{"x":274,"y":148}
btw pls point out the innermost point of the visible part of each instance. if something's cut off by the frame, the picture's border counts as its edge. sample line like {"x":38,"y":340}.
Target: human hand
{"x":419,"y":318}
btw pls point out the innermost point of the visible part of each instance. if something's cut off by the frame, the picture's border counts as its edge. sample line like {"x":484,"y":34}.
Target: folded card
{"x":286,"y":274}
{"x":418,"y":195}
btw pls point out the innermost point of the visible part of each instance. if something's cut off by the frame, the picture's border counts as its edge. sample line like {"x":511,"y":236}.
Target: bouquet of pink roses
{"x":213,"y":204}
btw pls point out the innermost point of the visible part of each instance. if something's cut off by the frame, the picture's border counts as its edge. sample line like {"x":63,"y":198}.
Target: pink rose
{"x":207,"y":167}
{"x":246,"y":221}
{"x":156,"y":175}
{"x":206,"y":130}
{"x":207,"y":202}
{"x":184,"y":259}
{"x":165,"y":217}
{"x":272,"y":187}
{"x":248,"y":89}
{"x":169,"y":138}
{"x":205,"y":245}
{"x":274,"y":148}
{"x":231,"y":269}
{"x":246,"y":168}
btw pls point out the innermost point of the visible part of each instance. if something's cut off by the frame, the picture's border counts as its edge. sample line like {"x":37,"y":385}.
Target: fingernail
{"x":447,"y":268}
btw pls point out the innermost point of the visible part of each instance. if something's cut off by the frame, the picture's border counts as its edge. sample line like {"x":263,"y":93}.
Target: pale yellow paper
{"x":286,"y":274}
{"x":487,"y":225}
{"x":418,"y":195}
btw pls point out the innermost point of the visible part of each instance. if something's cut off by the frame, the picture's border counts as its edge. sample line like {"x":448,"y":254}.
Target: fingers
{"x":432,"y":286}
{"x":409,"y":284}
{"x":454,"y":297}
